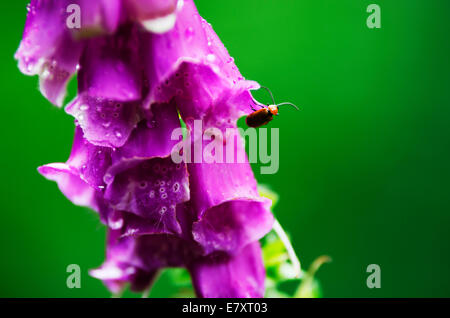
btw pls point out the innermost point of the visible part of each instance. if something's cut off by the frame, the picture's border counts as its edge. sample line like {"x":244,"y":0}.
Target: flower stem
{"x":289,"y":248}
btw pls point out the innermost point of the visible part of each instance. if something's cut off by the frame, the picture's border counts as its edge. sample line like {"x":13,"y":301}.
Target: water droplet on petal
{"x":107,"y":178}
{"x":189,"y":33}
{"x":143,"y":184}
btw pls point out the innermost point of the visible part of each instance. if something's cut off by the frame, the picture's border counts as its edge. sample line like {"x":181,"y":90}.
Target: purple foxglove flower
{"x":141,"y":65}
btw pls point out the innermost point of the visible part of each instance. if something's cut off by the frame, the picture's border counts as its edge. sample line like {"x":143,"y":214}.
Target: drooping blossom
{"x":141,"y":65}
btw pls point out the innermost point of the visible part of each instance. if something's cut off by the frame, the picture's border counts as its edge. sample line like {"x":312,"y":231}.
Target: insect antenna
{"x":288,"y":104}
{"x":271,"y":95}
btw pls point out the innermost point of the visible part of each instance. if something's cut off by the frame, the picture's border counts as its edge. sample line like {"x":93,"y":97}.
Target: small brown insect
{"x":264,"y":115}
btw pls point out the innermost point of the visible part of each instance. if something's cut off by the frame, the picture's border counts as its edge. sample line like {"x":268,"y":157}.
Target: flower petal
{"x":220,"y":275}
{"x":224,"y":196}
{"x":162,"y":250}
{"x":105,"y":122}
{"x":116,"y":271}
{"x":132,"y":225}
{"x":91,"y":161}
{"x":109,"y":85}
{"x":232,"y":225}
{"x":80,"y":179}
{"x":191,"y":64}
{"x":70,"y":184}
{"x":43,"y":29}
{"x":151,"y":138}
{"x":109,"y":67}
{"x":151,"y":189}
{"x":48,"y":49}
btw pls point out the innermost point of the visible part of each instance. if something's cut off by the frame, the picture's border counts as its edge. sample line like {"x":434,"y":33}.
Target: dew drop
{"x":143,"y":184}
{"x":162,"y":210}
{"x":189,"y":33}
{"x":107,"y":178}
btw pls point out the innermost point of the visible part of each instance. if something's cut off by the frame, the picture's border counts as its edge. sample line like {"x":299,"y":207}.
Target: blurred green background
{"x":364,"y":167}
